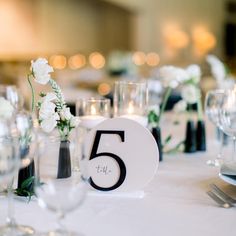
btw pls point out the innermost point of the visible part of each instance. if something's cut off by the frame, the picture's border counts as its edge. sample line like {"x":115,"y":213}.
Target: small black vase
{"x":190,"y":138}
{"x":156,"y":132}
{"x":64,"y":162}
{"x":26,"y":173}
{"x":201,"y":136}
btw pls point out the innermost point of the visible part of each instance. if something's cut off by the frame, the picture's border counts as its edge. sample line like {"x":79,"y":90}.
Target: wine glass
{"x":228,"y":117}
{"x":9,"y":152}
{"x":213,"y":102}
{"x":13,"y":95}
{"x":59,"y":195}
{"x":21,"y":125}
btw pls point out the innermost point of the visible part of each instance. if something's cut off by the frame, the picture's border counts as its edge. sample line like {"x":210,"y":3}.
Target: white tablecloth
{"x":175,"y":203}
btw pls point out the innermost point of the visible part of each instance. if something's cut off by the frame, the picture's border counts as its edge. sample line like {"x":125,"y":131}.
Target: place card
{"x":123,"y":156}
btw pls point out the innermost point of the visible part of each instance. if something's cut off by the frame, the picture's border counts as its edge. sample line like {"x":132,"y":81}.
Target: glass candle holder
{"x":131,"y":101}
{"x":93,"y":111}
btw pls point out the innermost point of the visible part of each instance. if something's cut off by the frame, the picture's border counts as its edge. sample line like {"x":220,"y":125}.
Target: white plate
{"x":227,"y":179}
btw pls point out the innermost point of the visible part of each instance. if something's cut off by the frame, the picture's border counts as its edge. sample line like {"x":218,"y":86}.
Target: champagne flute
{"x":228,"y":117}
{"x":213,"y":102}
{"x":59,"y":195}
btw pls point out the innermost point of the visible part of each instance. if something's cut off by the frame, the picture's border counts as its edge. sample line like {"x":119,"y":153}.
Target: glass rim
{"x":131,"y":82}
{"x":93,"y":99}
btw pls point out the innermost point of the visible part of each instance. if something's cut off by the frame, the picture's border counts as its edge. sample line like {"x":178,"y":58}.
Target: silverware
{"x":219,"y":200}
{"x":222,"y":194}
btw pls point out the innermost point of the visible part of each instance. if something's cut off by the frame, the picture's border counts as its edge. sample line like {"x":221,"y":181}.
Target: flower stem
{"x":163,"y":106}
{"x":32,"y":91}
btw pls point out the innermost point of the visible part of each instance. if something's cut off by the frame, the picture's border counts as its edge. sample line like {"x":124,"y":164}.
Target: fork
{"x":222,"y":194}
{"x":219,"y":200}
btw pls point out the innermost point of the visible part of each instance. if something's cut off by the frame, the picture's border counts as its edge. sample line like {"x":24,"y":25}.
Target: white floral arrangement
{"x":171,"y":77}
{"x":220,"y":72}
{"x":52,"y":109}
{"x":6,"y":108}
{"x":190,"y":90}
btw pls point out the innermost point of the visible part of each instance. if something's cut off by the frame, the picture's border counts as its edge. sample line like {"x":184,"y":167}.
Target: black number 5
{"x":120,"y":162}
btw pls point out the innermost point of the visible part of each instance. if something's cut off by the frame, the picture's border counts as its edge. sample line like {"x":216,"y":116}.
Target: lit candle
{"x":132,"y":116}
{"x":91,"y":121}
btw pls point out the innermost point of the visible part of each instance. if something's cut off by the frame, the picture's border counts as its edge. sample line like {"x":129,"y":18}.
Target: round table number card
{"x":123,"y":155}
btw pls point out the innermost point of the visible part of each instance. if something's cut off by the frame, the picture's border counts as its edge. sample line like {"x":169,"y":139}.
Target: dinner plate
{"x":228,"y":179}
{"x":228,"y":172}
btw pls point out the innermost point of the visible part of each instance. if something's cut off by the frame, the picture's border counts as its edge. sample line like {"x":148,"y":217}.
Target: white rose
{"x":49,"y":123}
{"x":217,"y":67}
{"x":180,"y":106}
{"x":172,"y":76}
{"x":47,"y":109}
{"x":6,"y":109}
{"x":190,"y":93}
{"x":65,"y":113}
{"x":194,"y":73}
{"x":41,"y":70}
{"x":74,"y":121}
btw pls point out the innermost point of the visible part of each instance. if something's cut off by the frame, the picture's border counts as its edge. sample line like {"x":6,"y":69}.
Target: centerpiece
{"x":53,"y":112}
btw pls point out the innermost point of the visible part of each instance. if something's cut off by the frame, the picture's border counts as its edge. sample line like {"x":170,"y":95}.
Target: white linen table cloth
{"x":175,"y":204}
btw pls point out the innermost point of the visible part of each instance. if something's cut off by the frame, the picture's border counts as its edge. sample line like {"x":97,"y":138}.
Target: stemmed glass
{"x":228,"y":117}
{"x":21,"y":125}
{"x":12,"y":94}
{"x":213,"y":102}
{"x":59,"y":195}
{"x":9,"y":152}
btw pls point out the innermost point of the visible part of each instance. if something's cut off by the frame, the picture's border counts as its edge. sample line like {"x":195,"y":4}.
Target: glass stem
{"x":221,"y":137}
{"x":234,"y":148}
{"x":60,"y":225}
{"x":10,"y":214}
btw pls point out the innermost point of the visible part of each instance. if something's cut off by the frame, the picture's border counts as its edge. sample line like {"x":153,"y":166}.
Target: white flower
{"x":41,"y":70}
{"x":172,"y":76}
{"x":217,"y":67}
{"x":65,"y":113}
{"x":194,"y":73}
{"x":6,"y":109}
{"x":74,"y":121}
{"x":180,"y":106}
{"x":49,"y":123}
{"x":47,"y":109}
{"x":190,"y":93}
{"x":49,"y":97}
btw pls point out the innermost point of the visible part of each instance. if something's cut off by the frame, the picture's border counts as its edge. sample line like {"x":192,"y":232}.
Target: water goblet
{"x":21,"y":127}
{"x":213,"y":102}
{"x":13,"y":95}
{"x":59,"y":195}
{"x":228,"y":117}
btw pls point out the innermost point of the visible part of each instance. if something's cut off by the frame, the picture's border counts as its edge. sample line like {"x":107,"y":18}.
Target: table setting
{"x":125,"y":167}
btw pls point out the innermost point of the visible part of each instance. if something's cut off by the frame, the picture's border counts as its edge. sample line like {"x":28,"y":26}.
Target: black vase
{"x":26,"y":173}
{"x":201,"y":136}
{"x":156,"y":132}
{"x":190,"y":138}
{"x":64,"y":162}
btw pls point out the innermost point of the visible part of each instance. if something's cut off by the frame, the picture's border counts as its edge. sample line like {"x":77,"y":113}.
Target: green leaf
{"x":26,"y":183}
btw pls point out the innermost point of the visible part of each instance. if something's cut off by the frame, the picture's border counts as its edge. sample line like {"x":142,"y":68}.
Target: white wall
{"x":187,"y":14}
